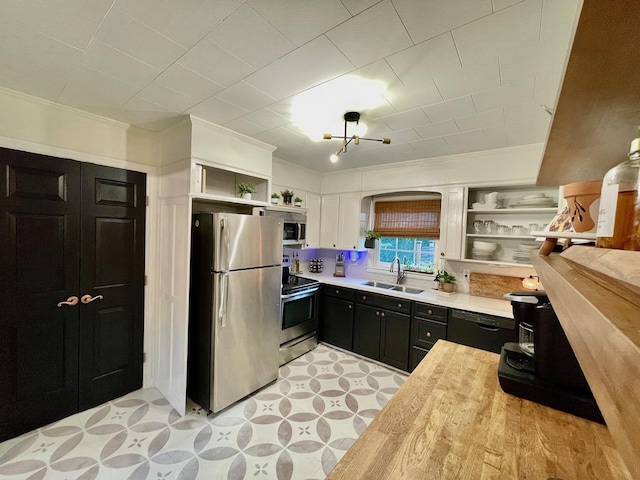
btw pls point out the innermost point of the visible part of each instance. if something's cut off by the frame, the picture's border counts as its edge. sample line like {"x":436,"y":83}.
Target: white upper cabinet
{"x":451,"y":223}
{"x":340,"y":221}
{"x":313,"y":204}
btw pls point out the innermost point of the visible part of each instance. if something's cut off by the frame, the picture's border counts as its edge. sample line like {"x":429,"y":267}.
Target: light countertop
{"x":451,"y":420}
{"x":462,"y":301}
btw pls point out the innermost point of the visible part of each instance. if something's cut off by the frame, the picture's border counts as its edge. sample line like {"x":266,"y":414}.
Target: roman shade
{"x":408,"y":218}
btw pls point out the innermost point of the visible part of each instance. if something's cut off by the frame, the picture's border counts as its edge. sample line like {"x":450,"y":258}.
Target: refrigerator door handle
{"x":224,"y":293}
{"x":224,"y":249}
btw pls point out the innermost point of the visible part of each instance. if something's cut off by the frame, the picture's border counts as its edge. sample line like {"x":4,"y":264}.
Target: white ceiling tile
{"x":528,"y":62}
{"x":428,"y":147}
{"x":473,"y":139}
{"x":243,"y":126}
{"x":468,"y":80}
{"x":427,"y":19}
{"x":184,"y":80}
{"x":496,"y":136}
{"x":402,"y":136}
{"x":447,"y":127}
{"x":165,"y":97}
{"x":251,"y":38}
{"x":143,"y":105}
{"x":245,"y":96}
{"x":314,"y":63}
{"x":94,"y":9}
{"x":49,"y":90}
{"x":447,"y":110}
{"x":184,"y":22}
{"x":217,"y":111}
{"x":53,"y":19}
{"x":526,"y":111}
{"x":480,"y":120}
{"x":558,"y":20}
{"x":437,"y":56}
{"x":357,"y":6}
{"x":504,"y":32}
{"x":88,"y":87}
{"x":107,"y":59}
{"x":547,"y":87}
{"x":130,"y":36}
{"x":282,"y":136}
{"x":408,"y":119}
{"x":266,"y":118}
{"x":301,"y":21}
{"x":215,"y":63}
{"x":360,"y":39}
{"x":505,"y":96}
{"x":406,"y":97}
{"x":501,"y":4}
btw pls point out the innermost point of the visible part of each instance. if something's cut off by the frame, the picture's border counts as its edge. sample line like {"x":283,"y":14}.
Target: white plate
{"x":536,"y":201}
{"x":535,"y":195}
{"x":484,"y":206}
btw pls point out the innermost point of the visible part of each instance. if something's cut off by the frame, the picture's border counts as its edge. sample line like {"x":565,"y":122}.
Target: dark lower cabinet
{"x":428,"y":325}
{"x":336,"y":319}
{"x":382,"y":334}
{"x":366,"y":331}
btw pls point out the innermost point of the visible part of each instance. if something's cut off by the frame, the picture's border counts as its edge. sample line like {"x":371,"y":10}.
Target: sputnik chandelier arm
{"x":351,"y":117}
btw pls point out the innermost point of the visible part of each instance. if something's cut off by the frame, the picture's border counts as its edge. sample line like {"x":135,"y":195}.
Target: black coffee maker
{"x":542,"y":367}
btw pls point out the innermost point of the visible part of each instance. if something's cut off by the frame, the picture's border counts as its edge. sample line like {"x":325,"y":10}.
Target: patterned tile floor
{"x":296,"y":428}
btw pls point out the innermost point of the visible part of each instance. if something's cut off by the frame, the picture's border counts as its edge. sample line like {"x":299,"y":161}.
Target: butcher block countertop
{"x":451,"y":420}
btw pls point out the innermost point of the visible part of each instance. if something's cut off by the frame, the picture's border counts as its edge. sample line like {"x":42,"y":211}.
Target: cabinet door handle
{"x":364,"y":297}
{"x":88,"y":298}
{"x":428,"y":334}
{"x":430,"y":312}
{"x":382,"y":314}
{"x":349,"y":307}
{"x":442,"y":254}
{"x":337,"y":292}
{"x":71,"y":301}
{"x":399,"y":305}
{"x":377,"y":313}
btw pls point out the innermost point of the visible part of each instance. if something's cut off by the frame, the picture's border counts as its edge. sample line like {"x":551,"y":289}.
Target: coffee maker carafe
{"x":542,"y":367}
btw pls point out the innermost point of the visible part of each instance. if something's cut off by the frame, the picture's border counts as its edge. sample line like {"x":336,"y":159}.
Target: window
{"x":410,"y":230}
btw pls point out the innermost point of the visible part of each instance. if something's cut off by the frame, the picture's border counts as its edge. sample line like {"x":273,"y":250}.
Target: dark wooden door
{"x":111,"y":283}
{"x":336,"y":326}
{"x":395,"y":335}
{"x":67,"y":230}
{"x":39,"y":260}
{"x":366,"y":331}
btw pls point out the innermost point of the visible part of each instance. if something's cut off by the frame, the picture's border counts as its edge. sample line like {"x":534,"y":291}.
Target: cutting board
{"x":493,"y":286}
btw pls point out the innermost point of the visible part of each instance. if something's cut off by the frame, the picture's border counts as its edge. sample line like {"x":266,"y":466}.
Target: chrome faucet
{"x":400,"y":270}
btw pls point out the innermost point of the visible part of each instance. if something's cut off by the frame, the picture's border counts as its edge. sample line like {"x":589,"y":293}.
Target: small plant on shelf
{"x":446,"y":280}
{"x":370,"y":239}
{"x":275,"y":198}
{"x":287,"y":195}
{"x":297,"y":202}
{"x":246,"y":189}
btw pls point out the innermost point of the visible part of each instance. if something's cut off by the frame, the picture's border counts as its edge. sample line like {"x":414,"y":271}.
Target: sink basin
{"x":400,"y":288}
{"x":377,"y":284}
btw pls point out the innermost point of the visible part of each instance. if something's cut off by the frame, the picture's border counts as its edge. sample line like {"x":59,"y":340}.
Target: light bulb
{"x":333,"y":158}
{"x":530,"y":283}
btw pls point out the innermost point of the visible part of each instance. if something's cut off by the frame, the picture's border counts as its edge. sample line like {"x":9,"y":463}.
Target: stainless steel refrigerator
{"x":234,"y":307}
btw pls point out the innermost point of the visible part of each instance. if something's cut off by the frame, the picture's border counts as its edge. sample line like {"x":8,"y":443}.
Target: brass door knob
{"x":88,"y":298}
{"x":71,"y":301}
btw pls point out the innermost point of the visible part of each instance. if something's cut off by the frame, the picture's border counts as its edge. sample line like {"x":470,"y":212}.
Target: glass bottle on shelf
{"x":619,"y":217}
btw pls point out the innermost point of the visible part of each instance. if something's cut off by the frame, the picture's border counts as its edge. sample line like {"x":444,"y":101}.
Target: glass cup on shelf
{"x":489,"y":227}
{"x":518,"y":230}
{"x":478,"y":226}
{"x":535,"y":227}
{"x":503,"y":230}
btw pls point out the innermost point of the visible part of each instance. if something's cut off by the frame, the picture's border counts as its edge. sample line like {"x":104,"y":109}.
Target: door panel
{"x":39,"y":231}
{"x":112,"y":272}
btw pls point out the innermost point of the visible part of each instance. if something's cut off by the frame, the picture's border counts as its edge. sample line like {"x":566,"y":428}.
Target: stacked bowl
{"x":522,"y":253}
{"x":483,"y":250}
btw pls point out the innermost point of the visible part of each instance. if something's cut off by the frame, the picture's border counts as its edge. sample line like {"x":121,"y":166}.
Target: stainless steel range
{"x":298,"y":316}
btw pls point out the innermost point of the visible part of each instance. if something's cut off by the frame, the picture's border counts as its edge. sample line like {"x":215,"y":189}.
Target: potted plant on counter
{"x":297,"y":202}
{"x":275,"y":198}
{"x":447,"y":281}
{"x":370,"y":239}
{"x":287,"y":195}
{"x":245,"y":190}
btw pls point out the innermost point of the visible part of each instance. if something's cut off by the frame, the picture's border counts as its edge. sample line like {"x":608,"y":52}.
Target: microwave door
{"x":302,"y":232}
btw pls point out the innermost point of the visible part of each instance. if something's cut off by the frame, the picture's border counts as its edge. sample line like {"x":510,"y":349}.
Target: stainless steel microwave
{"x":294,"y":231}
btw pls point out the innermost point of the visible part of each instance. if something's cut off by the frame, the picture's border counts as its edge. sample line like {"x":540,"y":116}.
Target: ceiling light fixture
{"x":360,"y":129}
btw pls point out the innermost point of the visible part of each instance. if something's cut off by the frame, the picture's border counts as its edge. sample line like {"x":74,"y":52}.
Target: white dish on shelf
{"x":484,"y":246}
{"x":484,"y":206}
{"x":535,"y":195}
{"x":527,"y":247}
{"x":536,"y":201}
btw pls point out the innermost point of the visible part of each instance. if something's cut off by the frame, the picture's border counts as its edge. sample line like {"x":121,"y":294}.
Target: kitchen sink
{"x":378,"y":284}
{"x":400,"y":288}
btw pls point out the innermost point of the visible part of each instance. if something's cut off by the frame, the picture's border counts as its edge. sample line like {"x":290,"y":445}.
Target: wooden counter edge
{"x":603,"y":329}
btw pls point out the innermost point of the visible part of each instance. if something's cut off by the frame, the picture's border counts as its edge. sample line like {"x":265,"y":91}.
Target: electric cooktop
{"x":298,"y":284}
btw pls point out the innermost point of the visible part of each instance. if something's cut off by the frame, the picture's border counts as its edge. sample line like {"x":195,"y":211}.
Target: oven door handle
{"x":306,"y":293}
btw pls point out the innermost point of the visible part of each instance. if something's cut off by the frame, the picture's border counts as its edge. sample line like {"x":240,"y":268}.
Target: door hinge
{"x":145,"y":280}
{"x":144,"y":357}
{"x":146,"y":200}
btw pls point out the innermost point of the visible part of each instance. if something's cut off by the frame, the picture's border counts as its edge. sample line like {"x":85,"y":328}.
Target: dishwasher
{"x":479,"y":330}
